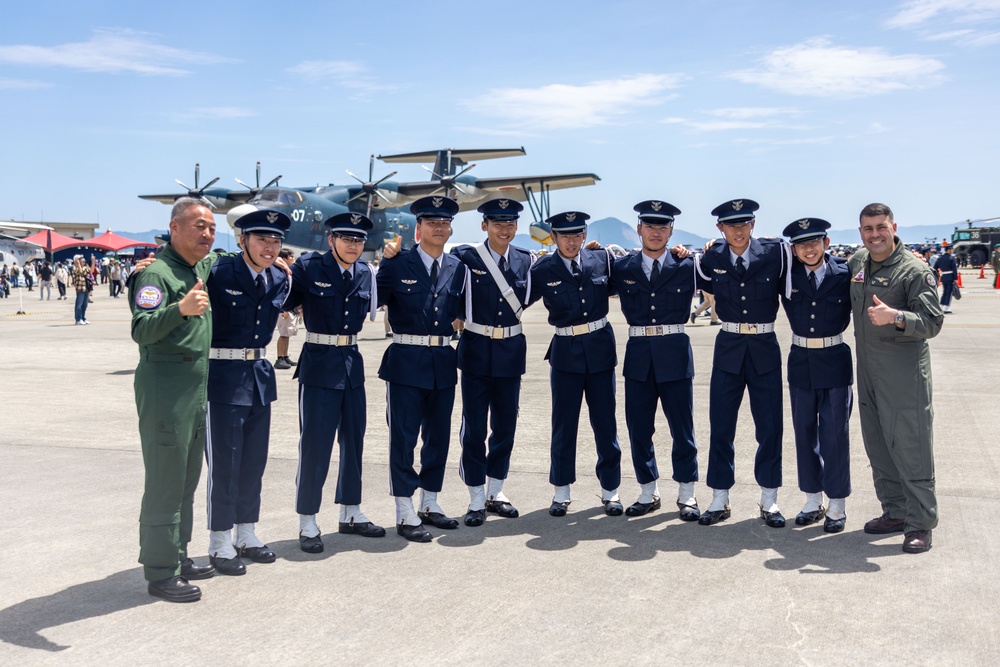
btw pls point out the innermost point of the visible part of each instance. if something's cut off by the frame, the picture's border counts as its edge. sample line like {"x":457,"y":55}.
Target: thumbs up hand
{"x":880,"y":314}
{"x":194,"y":302}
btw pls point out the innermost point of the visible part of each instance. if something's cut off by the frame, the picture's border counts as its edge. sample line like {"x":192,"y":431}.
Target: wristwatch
{"x":900,"y":319}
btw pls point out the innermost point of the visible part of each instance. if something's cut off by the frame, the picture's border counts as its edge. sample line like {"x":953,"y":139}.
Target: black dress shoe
{"x":475,"y":517}
{"x":917,"y":541}
{"x":559,"y":508}
{"x":174,"y":589}
{"x":715,"y":516}
{"x":191,"y":571}
{"x":638,"y":509}
{"x":503,"y":508}
{"x":311,"y":545}
{"x":232,"y":567}
{"x":413,"y":533}
{"x":438,"y":520}
{"x":694,"y":316}
{"x":688,"y":512}
{"x":772,"y":519}
{"x":259,"y":554}
{"x":364,"y":529}
{"x":809,"y":518}
{"x":834,"y":525}
{"x":613,"y":507}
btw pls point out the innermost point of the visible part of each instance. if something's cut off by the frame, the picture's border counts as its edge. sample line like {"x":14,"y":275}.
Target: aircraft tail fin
{"x":448,"y":161}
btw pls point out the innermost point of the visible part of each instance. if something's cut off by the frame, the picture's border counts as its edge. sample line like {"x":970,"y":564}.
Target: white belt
{"x":829,"y":341}
{"x":658,"y":330}
{"x":581,"y":329}
{"x":744,"y":328}
{"x":426,"y":341}
{"x":236,"y":354}
{"x":493,"y":332}
{"x":327,"y":339}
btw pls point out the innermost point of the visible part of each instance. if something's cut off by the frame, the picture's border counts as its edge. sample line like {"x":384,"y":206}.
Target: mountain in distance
{"x":607,"y":231}
{"x":223,"y":237}
{"x":928,"y":234}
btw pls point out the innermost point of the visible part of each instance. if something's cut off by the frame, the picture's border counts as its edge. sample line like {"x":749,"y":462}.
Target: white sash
{"x":506,"y":291}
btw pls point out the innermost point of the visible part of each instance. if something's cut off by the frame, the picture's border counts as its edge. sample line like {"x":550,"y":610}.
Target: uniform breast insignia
{"x":629,"y":282}
{"x":319,"y":284}
{"x":478,"y":272}
{"x":408,"y":282}
{"x":931,"y":280}
{"x":234,"y":292}
{"x":148,"y":297}
{"x":555,"y":284}
{"x":882,"y":281}
{"x":794,"y":290}
{"x":859,"y":277}
{"x":719,"y":270}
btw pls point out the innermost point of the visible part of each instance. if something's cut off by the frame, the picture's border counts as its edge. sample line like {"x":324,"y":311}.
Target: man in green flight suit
{"x":995,"y":262}
{"x":174,"y":334}
{"x":895,"y":304}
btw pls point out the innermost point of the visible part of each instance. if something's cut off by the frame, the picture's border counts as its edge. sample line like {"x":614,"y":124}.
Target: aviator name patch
{"x":148,"y":297}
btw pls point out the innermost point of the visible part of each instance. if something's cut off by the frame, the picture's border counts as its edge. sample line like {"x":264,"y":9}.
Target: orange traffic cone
{"x":997,"y":285}
{"x":982,"y":271}
{"x":959,"y":283}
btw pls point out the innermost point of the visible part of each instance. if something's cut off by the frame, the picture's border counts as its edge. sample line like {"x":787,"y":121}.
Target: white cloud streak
{"x":818,"y":68}
{"x":915,"y":13}
{"x":350,"y":74}
{"x":21,"y":84}
{"x":566,"y":106}
{"x":111,"y":51}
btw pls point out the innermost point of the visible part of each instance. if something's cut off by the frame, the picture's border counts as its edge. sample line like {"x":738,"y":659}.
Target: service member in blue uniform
{"x":947,"y":267}
{"x":746,"y":275}
{"x":491,"y":356}
{"x":422,"y":290}
{"x":820,"y":372}
{"x":574,"y":286}
{"x":655,"y":291}
{"x":246,"y":292}
{"x":335,"y":290}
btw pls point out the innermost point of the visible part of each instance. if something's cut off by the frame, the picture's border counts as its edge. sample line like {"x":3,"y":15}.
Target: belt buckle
{"x":249,"y":355}
{"x":434,"y":341}
{"x":581,"y":329}
{"x":815,"y":343}
{"x":343,"y":340}
{"x":496,"y":333}
{"x":748,"y":328}
{"x":653,"y":331}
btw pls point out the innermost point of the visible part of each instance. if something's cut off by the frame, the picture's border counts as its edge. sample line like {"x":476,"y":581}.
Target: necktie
{"x":260,"y":287}
{"x":434,"y":272}
{"x":655,"y":273}
{"x":741,"y":267}
{"x":348,"y":280}
{"x":575,"y":269}
{"x":503,"y":265}
{"x":812,"y":280}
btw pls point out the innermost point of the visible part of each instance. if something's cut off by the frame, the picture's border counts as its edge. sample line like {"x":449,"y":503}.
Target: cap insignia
{"x":503,"y":203}
{"x":437,"y":201}
{"x":570,"y":217}
{"x":355,"y":218}
{"x":738,"y":205}
{"x":272,"y":218}
{"x":803,"y":224}
{"x":656,"y":205}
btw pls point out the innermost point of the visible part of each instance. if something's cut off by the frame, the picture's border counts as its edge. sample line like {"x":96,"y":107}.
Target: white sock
{"x":477,"y":498}
{"x":429,"y":502}
{"x":246,"y":537}
{"x":685,"y":494}
{"x":609,"y":495}
{"x":561,"y":495}
{"x":352,"y":514}
{"x":720,"y":500}
{"x":307,"y":525}
{"x":494,"y":490}
{"x":813,"y":502}
{"x":405,"y":514}
{"x":648,"y":492}
{"x":769,"y":499}
{"x":220,"y":544}
{"x":838,"y":508}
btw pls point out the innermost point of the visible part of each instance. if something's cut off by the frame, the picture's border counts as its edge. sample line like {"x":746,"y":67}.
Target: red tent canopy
{"x":113,"y":242}
{"x":52,"y":241}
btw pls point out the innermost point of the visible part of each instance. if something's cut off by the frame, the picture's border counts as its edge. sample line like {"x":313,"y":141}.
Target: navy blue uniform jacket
{"x":571,"y":302}
{"x":318,"y":286}
{"x":239,"y":321}
{"x":479,"y":355}
{"x":825,"y":312}
{"x":416,"y":307}
{"x":668,"y":358}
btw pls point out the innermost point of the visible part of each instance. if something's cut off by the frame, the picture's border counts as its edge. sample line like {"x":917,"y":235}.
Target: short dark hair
{"x":875,"y":210}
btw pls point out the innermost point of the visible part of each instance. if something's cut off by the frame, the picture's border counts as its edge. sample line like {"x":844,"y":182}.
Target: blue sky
{"x":809,"y":108}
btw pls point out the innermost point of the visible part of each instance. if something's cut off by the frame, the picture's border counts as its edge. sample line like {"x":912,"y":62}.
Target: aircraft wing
{"x":512,"y":186}
{"x":163,"y":199}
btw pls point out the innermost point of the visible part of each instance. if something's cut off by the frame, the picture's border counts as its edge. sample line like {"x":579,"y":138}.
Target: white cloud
{"x":112,"y":51}
{"x":741,"y":118}
{"x":347,"y":73}
{"x":914,"y":13}
{"x":818,"y":68}
{"x":21,"y":84}
{"x":754,"y":112}
{"x":566,"y":106}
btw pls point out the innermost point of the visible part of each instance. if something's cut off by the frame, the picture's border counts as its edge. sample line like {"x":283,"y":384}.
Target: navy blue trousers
{"x":414,"y":412}
{"x":568,"y":390}
{"x":820,"y":419}
{"x":677,"y":401}
{"x":323,"y":414}
{"x":948,"y":290}
{"x":236,"y":454}
{"x":725,"y":397}
{"x":498,"y":399}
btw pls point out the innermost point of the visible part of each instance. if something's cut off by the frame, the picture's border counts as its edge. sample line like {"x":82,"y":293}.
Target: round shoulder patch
{"x":931,"y":280}
{"x":148,"y":297}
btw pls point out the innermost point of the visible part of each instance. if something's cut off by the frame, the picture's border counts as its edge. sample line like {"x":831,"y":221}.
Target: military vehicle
{"x":973,"y":245}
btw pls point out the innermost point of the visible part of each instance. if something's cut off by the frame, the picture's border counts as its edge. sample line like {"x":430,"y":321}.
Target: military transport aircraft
{"x":15,"y":251}
{"x":383,"y":200}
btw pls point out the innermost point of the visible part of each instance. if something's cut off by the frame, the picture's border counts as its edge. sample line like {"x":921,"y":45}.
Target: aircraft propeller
{"x":196,"y":191}
{"x":370,"y":187}
{"x":449,"y":181}
{"x":254,"y":191}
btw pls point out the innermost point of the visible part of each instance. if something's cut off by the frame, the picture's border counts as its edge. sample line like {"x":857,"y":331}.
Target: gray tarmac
{"x":584,"y":588}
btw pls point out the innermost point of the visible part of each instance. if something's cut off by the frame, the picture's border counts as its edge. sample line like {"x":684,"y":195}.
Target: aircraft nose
{"x":238,"y":212}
